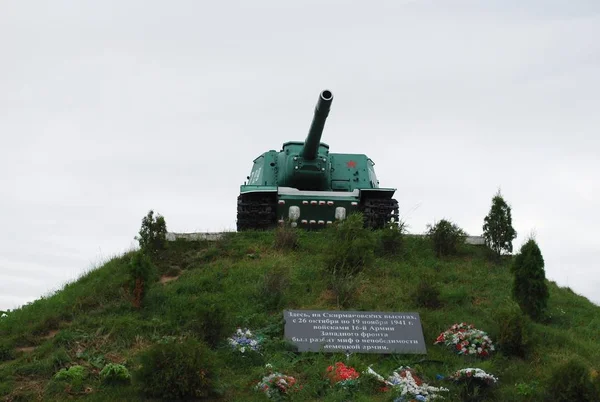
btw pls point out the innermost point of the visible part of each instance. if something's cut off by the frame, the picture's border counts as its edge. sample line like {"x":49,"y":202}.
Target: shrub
{"x":209,"y":321}
{"x":152,"y":234}
{"x":6,"y":387}
{"x":114,"y":373}
{"x":272,"y":288}
{"x":528,"y":391}
{"x":73,"y":378}
{"x":427,"y":293}
{"x":60,"y":358}
{"x":177,"y":371}
{"x":391,"y":239}
{"x":286,"y":238}
{"x":345,"y":288}
{"x":446,"y":237}
{"x":349,"y":251}
{"x":512,"y":339}
{"x":6,"y":351}
{"x":497,"y":228}
{"x":530,"y":290}
{"x":572,"y":381}
{"x":350,"y":247}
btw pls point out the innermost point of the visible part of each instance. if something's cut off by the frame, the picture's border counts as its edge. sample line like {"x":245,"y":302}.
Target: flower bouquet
{"x":410,"y":387}
{"x":276,"y":385}
{"x":244,"y":340}
{"x":468,"y":374}
{"x":465,"y":339}
{"x":475,"y":380}
{"x":342,"y":375}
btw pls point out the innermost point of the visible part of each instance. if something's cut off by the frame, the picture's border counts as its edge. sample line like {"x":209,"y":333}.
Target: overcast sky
{"x":109,"y":109}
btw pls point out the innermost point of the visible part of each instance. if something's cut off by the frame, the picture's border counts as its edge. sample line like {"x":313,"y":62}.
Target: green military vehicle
{"x":307,"y":186}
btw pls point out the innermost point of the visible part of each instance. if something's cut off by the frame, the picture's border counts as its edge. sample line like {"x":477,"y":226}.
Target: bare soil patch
{"x":51,"y":334}
{"x":26,"y":349}
{"x":165,"y":279}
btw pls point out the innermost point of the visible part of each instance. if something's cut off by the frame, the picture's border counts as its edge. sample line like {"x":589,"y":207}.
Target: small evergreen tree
{"x":141,"y":274}
{"x":153,"y":233}
{"x":446,"y":237}
{"x":530,"y":290}
{"x":497,"y":227}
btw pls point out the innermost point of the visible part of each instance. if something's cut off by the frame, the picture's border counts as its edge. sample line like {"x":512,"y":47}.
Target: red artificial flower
{"x":342,"y":372}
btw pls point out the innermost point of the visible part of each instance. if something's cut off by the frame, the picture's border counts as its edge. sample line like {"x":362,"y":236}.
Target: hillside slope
{"x":243,"y":281}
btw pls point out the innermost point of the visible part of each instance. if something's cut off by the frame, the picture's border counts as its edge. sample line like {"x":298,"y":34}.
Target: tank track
{"x":378,"y":212}
{"x":256,"y":211}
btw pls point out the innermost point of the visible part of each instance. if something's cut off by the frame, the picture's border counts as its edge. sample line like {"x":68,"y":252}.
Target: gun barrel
{"x":311,"y":145}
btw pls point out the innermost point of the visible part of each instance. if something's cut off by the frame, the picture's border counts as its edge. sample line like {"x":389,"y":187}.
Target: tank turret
{"x":307,"y":186}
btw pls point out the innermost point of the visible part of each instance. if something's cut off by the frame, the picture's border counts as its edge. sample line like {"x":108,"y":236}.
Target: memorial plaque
{"x":354,"y":331}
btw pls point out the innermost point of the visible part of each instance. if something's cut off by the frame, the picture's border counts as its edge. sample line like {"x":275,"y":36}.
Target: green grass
{"x":243,"y":280}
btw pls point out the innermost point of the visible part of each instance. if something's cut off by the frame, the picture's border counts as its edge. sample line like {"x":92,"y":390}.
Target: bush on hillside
{"x":346,"y":289}
{"x":153,"y":233}
{"x":6,"y":351}
{"x":141,"y":275}
{"x":114,"y":373}
{"x":572,"y":381}
{"x":512,"y":339}
{"x":530,"y":290}
{"x":272,"y":287}
{"x":350,"y":247}
{"x":176,"y":370}
{"x":60,"y":358}
{"x":286,"y":238}
{"x":391,"y":239}
{"x":350,"y":250}
{"x":446,"y":237}
{"x":209,"y":321}
{"x":71,"y":380}
{"x":427,"y":293}
{"x":497,"y":228}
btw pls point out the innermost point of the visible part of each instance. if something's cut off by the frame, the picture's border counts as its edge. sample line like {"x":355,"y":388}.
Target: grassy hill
{"x":204,"y":290}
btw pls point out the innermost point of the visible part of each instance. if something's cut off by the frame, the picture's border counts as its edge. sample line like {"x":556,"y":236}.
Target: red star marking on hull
{"x":351,"y":164}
